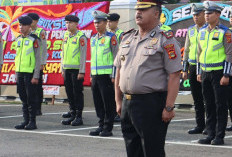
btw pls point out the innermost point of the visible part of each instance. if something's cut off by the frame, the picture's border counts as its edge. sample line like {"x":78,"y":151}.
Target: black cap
{"x":34,"y":16}
{"x":25,"y":20}
{"x":113,"y":17}
{"x":72,"y":18}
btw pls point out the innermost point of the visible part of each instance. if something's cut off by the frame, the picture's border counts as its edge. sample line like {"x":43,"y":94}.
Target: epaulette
{"x":130,"y":31}
{"x":221,"y":26}
{"x":34,"y":36}
{"x":110,"y":34}
{"x":191,"y":26}
{"x":168,"y":34}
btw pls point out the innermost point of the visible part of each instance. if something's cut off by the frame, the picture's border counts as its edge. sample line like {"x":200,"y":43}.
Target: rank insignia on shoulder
{"x":114,"y":41}
{"x":228,"y":37}
{"x":168,"y":34}
{"x":131,"y":30}
{"x":171,"y":51}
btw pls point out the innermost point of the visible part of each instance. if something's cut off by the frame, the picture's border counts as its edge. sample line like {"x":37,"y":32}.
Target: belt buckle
{"x":128,"y":97}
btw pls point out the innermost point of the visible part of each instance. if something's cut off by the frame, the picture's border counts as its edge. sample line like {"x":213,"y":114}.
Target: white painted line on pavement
{"x":197,"y":145}
{"x":182,"y":120}
{"x":78,"y":129}
{"x":10,"y":105}
{"x":111,"y":138}
{"x":45,"y":114}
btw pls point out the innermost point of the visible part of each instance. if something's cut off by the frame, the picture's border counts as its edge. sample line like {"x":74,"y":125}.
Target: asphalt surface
{"x":52,"y":139}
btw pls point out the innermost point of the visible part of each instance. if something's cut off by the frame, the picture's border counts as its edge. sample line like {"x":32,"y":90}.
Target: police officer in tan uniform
{"x":147,"y":76}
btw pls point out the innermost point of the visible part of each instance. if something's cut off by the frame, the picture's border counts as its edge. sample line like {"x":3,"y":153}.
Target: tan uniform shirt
{"x":145,"y":64}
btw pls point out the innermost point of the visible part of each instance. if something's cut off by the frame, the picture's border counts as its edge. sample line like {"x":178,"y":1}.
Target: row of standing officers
{"x":145,"y":70}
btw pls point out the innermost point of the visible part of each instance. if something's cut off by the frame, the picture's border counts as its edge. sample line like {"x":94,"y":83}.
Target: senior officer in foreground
{"x":27,"y":68}
{"x":189,"y":63}
{"x":214,"y":63}
{"x":40,"y":32}
{"x":148,"y":75}
{"x":104,"y":47}
{"x":73,"y":60}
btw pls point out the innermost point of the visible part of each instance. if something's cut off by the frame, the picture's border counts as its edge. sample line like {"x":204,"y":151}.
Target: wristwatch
{"x":169,"y":108}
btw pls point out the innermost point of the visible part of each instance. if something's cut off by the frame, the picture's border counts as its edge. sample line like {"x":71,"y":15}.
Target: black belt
{"x":137,"y":96}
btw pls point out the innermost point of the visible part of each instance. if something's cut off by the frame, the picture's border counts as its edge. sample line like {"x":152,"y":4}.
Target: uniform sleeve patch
{"x":171,"y":51}
{"x":113,"y":41}
{"x":228,"y":37}
{"x":82,"y":41}
{"x":36,"y":45}
{"x":43,"y":35}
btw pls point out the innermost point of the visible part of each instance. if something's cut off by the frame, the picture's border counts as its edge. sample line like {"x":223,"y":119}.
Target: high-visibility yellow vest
{"x":101,"y":55}
{"x":213,"y":54}
{"x":25,"y":55}
{"x":118,"y":34}
{"x":71,"y":50}
{"x":193,"y":37}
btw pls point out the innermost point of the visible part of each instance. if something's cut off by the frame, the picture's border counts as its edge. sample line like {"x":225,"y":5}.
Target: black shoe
{"x":205,"y":132}
{"x":105,"y":133}
{"x":229,"y":128}
{"x":196,"y":130}
{"x":77,"y":122}
{"x":22,"y":125}
{"x":38,"y":113}
{"x":31,"y":126}
{"x":96,"y":132}
{"x":206,"y":140}
{"x":68,"y":121}
{"x":117,"y":118}
{"x":66,"y":115}
{"x":217,"y":141}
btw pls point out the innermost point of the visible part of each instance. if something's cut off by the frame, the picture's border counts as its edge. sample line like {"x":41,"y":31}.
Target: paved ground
{"x":51,"y":139}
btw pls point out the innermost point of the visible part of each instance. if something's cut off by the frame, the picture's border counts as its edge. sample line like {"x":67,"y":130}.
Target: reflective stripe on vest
{"x":213,"y":52}
{"x":25,"y":55}
{"x":193,"y":34}
{"x":71,"y":52}
{"x":118,"y":33}
{"x":101,"y":55}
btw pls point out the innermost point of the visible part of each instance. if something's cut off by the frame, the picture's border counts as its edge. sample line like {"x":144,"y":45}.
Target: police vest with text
{"x":71,"y":51}
{"x":25,"y":55}
{"x":101,"y":55}
{"x":119,"y":33}
{"x":213,"y":51}
{"x":193,"y":34}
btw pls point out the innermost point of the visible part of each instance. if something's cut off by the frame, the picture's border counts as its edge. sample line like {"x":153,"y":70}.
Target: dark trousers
{"x":215,"y":100}
{"x":74,"y":90}
{"x":40,"y":91}
{"x":143,"y":130}
{"x":196,"y":90}
{"x":27,"y":93}
{"x":229,"y":101}
{"x":104,"y":102}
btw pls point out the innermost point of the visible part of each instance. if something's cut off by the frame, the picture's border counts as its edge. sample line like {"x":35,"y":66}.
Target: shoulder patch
{"x":130,"y":31}
{"x":168,"y":34}
{"x":114,"y":40}
{"x":43,"y":35}
{"x":82,"y":42}
{"x":35,"y":44}
{"x":228,"y":37}
{"x":170,"y":48}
